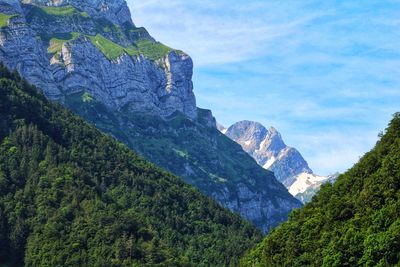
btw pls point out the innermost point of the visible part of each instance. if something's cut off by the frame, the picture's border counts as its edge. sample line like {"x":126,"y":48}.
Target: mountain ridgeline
{"x":72,"y":196}
{"x":354,"y":222}
{"x":267,"y":147}
{"x":92,"y":58}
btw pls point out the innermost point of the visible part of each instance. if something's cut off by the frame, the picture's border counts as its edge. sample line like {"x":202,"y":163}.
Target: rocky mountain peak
{"x":272,"y":142}
{"x":247,"y":133}
{"x":273,"y":133}
{"x":270,"y":151}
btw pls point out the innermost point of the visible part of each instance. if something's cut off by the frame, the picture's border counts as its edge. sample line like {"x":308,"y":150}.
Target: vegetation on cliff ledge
{"x":4,"y":18}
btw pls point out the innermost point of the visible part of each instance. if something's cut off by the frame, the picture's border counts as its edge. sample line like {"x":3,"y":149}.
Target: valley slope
{"x":91,"y":57}
{"x":73,"y":196}
{"x":354,"y":222}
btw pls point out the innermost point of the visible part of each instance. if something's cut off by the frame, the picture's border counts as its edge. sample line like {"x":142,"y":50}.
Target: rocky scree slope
{"x":267,"y":147}
{"x":91,"y":57}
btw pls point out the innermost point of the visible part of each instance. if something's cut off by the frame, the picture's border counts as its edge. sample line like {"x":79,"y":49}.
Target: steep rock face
{"x":93,"y":46}
{"x":269,"y":150}
{"x":22,"y":51}
{"x":256,"y":205}
{"x":307,"y":185}
{"x":91,"y":57}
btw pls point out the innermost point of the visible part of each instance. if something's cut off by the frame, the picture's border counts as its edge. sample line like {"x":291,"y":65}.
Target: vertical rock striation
{"x":39,"y":42}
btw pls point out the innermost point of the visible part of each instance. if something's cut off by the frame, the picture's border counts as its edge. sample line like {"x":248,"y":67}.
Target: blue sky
{"x":326,"y":74}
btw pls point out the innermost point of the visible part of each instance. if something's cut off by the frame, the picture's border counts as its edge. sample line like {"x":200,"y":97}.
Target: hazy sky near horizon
{"x":326,"y":74}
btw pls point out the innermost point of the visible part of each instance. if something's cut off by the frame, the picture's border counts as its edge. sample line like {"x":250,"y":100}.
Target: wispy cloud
{"x":216,"y":32}
{"x":325,"y":73}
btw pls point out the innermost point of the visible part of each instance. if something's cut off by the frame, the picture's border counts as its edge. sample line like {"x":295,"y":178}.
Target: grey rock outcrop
{"x":269,"y":150}
{"x":256,"y":205}
{"x":127,"y":82}
{"x":90,"y":56}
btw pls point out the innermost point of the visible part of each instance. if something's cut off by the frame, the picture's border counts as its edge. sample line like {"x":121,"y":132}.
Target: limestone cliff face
{"x":90,"y":56}
{"x":22,"y":51}
{"x":57,"y":50}
{"x":257,"y":206}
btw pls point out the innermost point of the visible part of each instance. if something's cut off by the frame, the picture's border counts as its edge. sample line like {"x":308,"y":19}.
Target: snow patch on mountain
{"x":304,"y":180}
{"x":270,"y":151}
{"x":221,"y":128}
{"x":269,"y":163}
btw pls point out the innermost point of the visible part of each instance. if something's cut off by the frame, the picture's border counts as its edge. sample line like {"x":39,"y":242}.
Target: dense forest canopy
{"x":355,"y":222}
{"x":72,"y":196}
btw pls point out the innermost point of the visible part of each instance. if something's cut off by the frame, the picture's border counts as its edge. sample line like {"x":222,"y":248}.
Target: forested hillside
{"x":354,"y":222}
{"x":72,"y":196}
{"x":91,"y":57}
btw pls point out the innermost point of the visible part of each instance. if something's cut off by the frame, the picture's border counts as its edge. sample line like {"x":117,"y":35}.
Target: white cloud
{"x":215,"y":32}
{"x":325,"y":73}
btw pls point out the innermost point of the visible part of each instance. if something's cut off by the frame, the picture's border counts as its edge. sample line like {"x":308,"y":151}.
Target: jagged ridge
{"x":269,"y":150}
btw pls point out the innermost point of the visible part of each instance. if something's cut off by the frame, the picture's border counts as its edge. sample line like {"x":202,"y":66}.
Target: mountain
{"x":91,"y":57}
{"x":307,"y":185}
{"x":270,"y":151}
{"x":354,"y":222}
{"x":72,"y":196}
{"x":72,"y":47}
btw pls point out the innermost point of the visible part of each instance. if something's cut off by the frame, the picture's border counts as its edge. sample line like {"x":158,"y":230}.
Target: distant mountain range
{"x":267,"y":147}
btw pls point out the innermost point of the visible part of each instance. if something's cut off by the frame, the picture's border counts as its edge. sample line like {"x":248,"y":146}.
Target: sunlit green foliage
{"x":54,"y":14}
{"x":72,"y":196}
{"x":57,"y":41}
{"x":111,"y":39}
{"x":87,"y":98}
{"x":152,"y":50}
{"x":4,"y":19}
{"x":355,"y":222}
{"x":61,"y":11}
{"x":110,"y":49}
